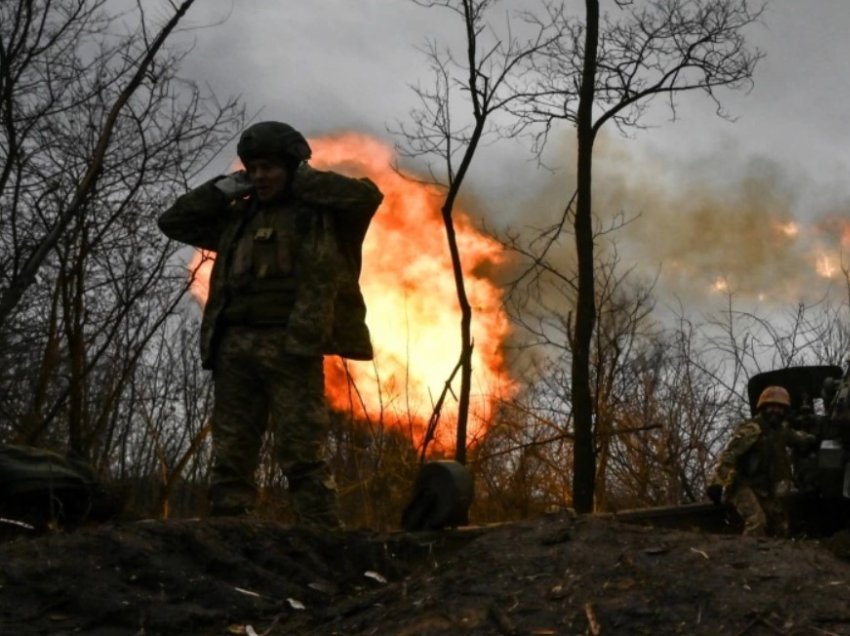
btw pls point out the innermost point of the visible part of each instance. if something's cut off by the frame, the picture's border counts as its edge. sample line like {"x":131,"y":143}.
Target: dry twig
{"x":593,"y":626}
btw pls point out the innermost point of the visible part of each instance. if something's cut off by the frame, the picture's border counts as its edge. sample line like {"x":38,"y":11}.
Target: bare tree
{"x":541,"y":304}
{"x":669,"y":417}
{"x":609,"y":68}
{"x":99,"y":133}
{"x":483,"y":74}
{"x":42,"y":31}
{"x":519,"y":464}
{"x":170,"y":404}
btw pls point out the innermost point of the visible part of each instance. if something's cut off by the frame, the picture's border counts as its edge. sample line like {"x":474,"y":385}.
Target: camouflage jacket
{"x":758,"y":456}
{"x":332,"y":215}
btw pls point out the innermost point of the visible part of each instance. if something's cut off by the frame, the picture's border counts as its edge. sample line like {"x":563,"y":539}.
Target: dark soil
{"x":555,"y":575}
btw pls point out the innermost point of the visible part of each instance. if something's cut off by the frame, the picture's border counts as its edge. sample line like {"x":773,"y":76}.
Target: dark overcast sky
{"x":326,"y":65}
{"x":332,"y":65}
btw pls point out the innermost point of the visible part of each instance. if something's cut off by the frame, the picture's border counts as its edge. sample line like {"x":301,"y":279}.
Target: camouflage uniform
{"x":283,"y":292}
{"x":755,"y":471}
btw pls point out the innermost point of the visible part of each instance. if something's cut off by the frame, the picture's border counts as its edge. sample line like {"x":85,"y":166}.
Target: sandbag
{"x":441,"y":497}
{"x":42,"y":489}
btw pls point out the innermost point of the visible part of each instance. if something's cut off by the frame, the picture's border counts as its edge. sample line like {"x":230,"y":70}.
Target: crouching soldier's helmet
{"x":273,"y":140}
{"x":774,"y":395}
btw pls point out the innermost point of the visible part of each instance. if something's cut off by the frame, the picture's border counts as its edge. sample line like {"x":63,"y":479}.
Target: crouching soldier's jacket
{"x":757,"y":456}
{"x":331,"y":215}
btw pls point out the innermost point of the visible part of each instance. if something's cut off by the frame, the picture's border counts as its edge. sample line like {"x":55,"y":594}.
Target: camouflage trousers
{"x":762,"y":515}
{"x":260,"y":387}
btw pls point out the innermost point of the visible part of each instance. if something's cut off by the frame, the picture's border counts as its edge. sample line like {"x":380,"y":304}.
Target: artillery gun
{"x":820,"y":406}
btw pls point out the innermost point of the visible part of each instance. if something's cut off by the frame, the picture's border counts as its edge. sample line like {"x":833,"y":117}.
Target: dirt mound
{"x":557,"y":575}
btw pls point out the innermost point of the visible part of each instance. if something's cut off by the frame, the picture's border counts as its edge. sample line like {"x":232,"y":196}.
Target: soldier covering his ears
{"x":283,"y":293}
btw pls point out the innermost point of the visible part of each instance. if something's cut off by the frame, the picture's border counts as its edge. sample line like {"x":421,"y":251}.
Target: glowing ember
{"x":790,"y":229}
{"x":826,"y":265}
{"x":720,"y":285}
{"x":413,"y":312}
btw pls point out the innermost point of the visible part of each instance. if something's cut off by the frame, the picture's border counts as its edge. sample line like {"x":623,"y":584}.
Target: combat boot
{"x":315,"y":504}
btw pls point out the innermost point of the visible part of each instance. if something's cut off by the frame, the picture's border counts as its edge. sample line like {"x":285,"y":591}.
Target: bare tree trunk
{"x":584,"y":461}
{"x":73,"y":277}
{"x":457,"y":269}
{"x":465,"y":310}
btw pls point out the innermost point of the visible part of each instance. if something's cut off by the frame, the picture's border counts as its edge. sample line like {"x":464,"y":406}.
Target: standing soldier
{"x":283,"y":292}
{"x":754,"y":470}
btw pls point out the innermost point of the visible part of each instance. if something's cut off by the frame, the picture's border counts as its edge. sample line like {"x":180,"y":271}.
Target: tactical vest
{"x":262,"y":277}
{"x":767,"y":462}
{"x":329,"y":315}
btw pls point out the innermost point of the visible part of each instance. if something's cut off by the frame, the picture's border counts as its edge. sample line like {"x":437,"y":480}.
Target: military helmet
{"x":273,"y":140}
{"x":774,"y":395}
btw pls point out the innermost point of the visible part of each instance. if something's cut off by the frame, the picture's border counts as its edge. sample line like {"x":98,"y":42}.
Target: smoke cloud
{"x":707,"y":225}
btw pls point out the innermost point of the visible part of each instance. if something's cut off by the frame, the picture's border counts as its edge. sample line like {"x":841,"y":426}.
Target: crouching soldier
{"x":283,"y":292}
{"x":754,"y":471}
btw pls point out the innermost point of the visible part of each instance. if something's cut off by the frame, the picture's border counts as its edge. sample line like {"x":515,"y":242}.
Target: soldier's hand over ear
{"x":235,"y":185}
